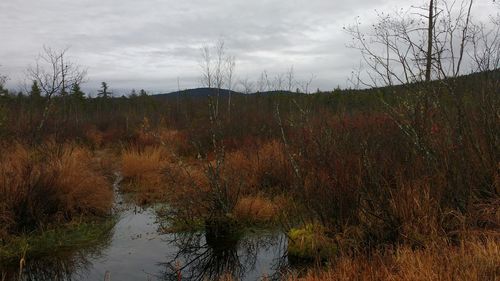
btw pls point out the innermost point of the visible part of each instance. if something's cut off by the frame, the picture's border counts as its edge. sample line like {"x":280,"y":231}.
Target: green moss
{"x":310,"y":242}
{"x":55,"y":240}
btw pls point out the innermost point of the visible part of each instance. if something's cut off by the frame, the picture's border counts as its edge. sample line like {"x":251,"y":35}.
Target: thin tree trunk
{"x":429,"y":42}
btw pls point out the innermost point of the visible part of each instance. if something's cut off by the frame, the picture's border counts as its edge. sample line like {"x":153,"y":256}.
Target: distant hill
{"x":198,"y":92}
{"x":207,"y":92}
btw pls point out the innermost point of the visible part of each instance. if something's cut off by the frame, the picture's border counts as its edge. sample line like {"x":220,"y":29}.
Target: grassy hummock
{"x":60,"y":239}
{"x":310,"y":243}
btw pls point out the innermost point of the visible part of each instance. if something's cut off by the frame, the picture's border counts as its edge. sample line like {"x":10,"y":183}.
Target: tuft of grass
{"x":256,"y":210}
{"x":48,"y":185}
{"x":473,"y":260}
{"x":135,"y":163}
{"x":310,"y":243}
{"x":84,"y":191}
{"x":265,"y":169}
{"x":143,"y":173}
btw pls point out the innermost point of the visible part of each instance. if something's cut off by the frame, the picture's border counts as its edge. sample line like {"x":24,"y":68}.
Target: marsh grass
{"x":397,"y":177}
{"x":50,"y":184}
{"x":473,"y":260}
{"x":55,"y":240}
{"x":143,"y":173}
{"x":257,"y":210}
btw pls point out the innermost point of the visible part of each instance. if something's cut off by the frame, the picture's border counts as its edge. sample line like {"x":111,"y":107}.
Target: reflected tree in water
{"x":201,"y":258}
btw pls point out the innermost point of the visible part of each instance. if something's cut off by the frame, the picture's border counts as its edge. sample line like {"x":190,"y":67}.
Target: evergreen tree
{"x":103,"y":92}
{"x":3,"y":80}
{"x":142,"y":93}
{"x":76,"y":92}
{"x":35,"y":90}
{"x":133,"y":94}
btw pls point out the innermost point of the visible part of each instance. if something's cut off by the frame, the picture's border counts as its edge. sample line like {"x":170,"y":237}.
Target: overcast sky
{"x":150,"y":43}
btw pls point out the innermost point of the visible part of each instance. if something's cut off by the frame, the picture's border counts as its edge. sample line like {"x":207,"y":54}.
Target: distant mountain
{"x":198,"y":92}
{"x":207,"y":92}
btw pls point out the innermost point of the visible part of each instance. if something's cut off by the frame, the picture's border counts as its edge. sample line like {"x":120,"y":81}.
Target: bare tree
{"x":305,"y":85}
{"x":247,"y":86}
{"x":220,"y":60}
{"x":485,"y":40}
{"x":263,"y":83}
{"x":230,"y":68}
{"x":206,"y":67}
{"x":409,"y":46}
{"x":389,"y":52}
{"x":217,"y":70}
{"x":278,"y":82}
{"x":430,"y":28}
{"x":452,"y":37}
{"x":55,"y":76}
{"x":290,"y":79}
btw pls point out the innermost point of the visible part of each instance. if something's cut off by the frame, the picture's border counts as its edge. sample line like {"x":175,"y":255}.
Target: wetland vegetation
{"x":397,"y":181}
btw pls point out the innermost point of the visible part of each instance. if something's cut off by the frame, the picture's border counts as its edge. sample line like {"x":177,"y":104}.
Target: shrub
{"x":264,"y":170}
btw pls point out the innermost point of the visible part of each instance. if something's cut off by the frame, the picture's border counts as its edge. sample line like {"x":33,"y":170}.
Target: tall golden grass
{"x":265,"y":169}
{"x":143,"y":173}
{"x":135,"y":162}
{"x":256,"y":210}
{"x":471,"y":261}
{"x":49,"y":184}
{"x":83,"y":189}
{"x":154,"y":173}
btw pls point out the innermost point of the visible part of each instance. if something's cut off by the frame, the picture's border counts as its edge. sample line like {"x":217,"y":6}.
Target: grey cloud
{"x":148,"y":44}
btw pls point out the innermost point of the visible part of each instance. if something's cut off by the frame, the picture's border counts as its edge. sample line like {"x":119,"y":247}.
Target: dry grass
{"x":176,"y":141}
{"x":272,"y":169}
{"x":94,"y":136}
{"x":143,"y":172}
{"x":55,"y":183}
{"x":264,"y":170}
{"x":135,"y":163}
{"x":256,"y":210}
{"x":83,"y":189}
{"x":188,"y":191}
{"x":474,"y":261}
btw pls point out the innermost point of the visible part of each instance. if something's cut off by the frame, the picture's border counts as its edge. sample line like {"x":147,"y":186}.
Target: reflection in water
{"x":199,"y":258}
{"x":135,"y":251}
{"x":61,"y":267}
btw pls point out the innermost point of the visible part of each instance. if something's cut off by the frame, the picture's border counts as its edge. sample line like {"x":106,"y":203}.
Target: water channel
{"x":136,"y":250}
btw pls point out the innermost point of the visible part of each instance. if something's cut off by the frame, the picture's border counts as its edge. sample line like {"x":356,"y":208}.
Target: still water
{"x":136,"y":250}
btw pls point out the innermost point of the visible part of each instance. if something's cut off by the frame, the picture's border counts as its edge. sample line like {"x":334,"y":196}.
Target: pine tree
{"x":3,"y":80}
{"x":76,"y":92}
{"x":35,"y":90}
{"x":103,"y":92}
{"x":132,"y":94}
